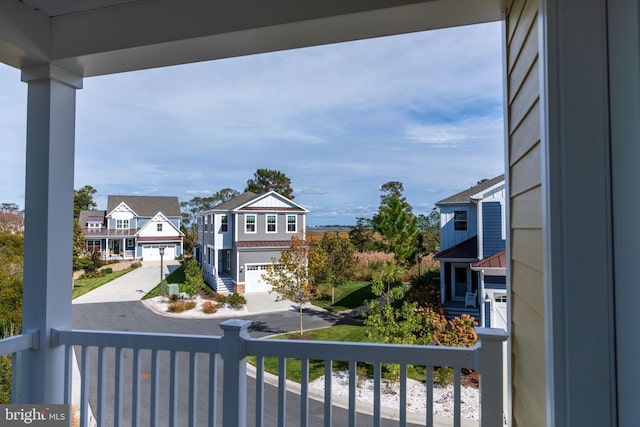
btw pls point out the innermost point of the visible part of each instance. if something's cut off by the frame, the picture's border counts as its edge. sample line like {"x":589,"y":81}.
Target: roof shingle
{"x":465,"y":196}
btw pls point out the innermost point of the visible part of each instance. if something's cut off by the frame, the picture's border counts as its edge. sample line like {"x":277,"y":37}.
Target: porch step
{"x":459,"y":311}
{"x":224,"y":285}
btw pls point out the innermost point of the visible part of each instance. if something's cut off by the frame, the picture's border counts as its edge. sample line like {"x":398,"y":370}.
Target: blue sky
{"x":425,"y":109}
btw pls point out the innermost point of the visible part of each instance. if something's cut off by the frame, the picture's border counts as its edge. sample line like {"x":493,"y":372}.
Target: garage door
{"x":500,"y":311}
{"x":152,"y":252}
{"x":253,"y":281}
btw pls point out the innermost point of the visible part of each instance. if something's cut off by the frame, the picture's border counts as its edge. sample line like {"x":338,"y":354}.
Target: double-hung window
{"x":460,"y":220}
{"x":250,"y":223}
{"x":224,"y":223}
{"x":292,"y":223}
{"x":271,"y":224}
{"x":122,"y":224}
{"x":159,"y":227}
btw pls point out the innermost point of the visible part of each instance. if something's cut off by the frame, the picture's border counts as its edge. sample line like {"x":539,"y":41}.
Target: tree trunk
{"x":333,"y":294}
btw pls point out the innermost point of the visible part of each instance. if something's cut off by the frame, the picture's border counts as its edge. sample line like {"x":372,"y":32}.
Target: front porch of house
{"x":127,"y":378}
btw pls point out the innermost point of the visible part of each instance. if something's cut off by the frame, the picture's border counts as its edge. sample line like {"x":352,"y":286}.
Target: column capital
{"x":53,"y":72}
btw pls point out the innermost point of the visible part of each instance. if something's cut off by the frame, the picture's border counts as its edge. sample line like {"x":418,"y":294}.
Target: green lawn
{"x":342,"y":333}
{"x":82,"y":286}
{"x":177,"y":276}
{"x":347,"y":296}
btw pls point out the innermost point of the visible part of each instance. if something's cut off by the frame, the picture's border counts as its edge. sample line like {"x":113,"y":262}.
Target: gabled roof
{"x":91,"y":216}
{"x":147,"y":206}
{"x":244,"y":200}
{"x":466,"y":195}
{"x":159,"y":217}
{"x":466,"y":250}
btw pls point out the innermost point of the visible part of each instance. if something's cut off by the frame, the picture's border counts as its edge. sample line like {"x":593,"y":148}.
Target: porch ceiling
{"x":96,"y":37}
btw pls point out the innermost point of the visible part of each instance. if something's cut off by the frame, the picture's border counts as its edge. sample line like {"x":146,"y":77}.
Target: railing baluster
{"x":328,"y":413}
{"x":213,"y":389}
{"x":403,"y":395}
{"x":282,"y":391}
{"x":155,"y":394}
{"x":173,"y":390}
{"x":259,"y":391}
{"x":429,"y":393}
{"x":68,"y":374}
{"x":304,"y":393}
{"x":84,"y":388}
{"x":456,"y":397}
{"x":193,"y":388}
{"x":117,"y":394}
{"x":101,"y":384}
{"x":352,"y":393}
{"x":135,"y":392}
{"x":377,"y":393}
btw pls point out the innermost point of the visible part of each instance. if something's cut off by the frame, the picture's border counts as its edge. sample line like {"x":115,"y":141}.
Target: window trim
{"x":224,"y":223}
{"x":246,"y":224}
{"x":295,"y":223}
{"x":275,"y":223}
{"x":457,"y":221}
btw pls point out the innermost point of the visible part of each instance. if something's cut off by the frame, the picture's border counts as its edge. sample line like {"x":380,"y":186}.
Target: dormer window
{"x":159,"y":227}
{"x":94,"y":225}
{"x":460,"y":220}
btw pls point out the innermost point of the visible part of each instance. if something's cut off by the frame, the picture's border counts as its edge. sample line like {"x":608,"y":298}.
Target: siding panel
{"x":526,"y":266}
{"x":492,"y":241}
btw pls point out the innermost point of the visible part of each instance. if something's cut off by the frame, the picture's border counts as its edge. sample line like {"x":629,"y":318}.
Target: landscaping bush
{"x":180,"y":306}
{"x":136,"y":264}
{"x":92,"y":275}
{"x":220,"y":298}
{"x":107,"y":270}
{"x":443,"y":376}
{"x":209,"y":308}
{"x":193,"y":278}
{"x":236,"y":300}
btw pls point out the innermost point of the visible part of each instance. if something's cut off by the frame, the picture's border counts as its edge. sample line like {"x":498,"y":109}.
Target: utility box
{"x":172,"y":289}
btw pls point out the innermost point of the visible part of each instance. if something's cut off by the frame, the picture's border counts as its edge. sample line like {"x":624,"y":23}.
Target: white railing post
{"x":491,"y":382}
{"x":234,"y":387}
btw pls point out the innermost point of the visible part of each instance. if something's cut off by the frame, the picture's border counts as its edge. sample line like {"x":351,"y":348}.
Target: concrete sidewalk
{"x":132,"y":286}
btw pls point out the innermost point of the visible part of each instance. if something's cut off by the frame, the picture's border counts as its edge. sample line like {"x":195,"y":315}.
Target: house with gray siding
{"x":238,"y":239}
{"x":472,"y":256}
{"x":134,"y":227}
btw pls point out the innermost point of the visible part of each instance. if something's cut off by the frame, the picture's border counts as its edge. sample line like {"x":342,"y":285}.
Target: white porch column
{"x":48,"y":225}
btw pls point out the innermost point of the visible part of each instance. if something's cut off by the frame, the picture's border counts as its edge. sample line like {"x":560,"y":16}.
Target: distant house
{"x":134,"y":227}
{"x":472,"y":256}
{"x":238,"y":238}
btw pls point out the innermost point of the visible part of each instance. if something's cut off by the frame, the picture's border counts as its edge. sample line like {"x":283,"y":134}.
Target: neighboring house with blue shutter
{"x":134,"y":227}
{"x":238,"y":239}
{"x":472,"y":255}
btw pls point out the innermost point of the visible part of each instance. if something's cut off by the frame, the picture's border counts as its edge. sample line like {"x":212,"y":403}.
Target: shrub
{"x":180,"y":306}
{"x":236,"y":300}
{"x":107,"y":270}
{"x":443,"y":376}
{"x":193,"y":278}
{"x":220,"y":298}
{"x":136,"y":264}
{"x":209,"y":308}
{"x":92,"y":275}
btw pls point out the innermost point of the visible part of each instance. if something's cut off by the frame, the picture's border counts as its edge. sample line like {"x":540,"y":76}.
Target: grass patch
{"x":176,"y":276}
{"x":341,"y":333}
{"x":348,"y":296}
{"x":82,"y":286}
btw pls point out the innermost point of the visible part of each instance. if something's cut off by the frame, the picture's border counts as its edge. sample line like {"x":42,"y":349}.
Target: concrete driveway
{"x":132,"y":286}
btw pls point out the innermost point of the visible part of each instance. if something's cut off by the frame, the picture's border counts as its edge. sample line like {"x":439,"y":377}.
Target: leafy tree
{"x":190,"y":239}
{"x":361,"y":235}
{"x":265,"y":180}
{"x":83,"y":200}
{"x":193,"y":278}
{"x":9,"y":207}
{"x":429,"y":226}
{"x":397,"y":224}
{"x":11,"y":262}
{"x":78,"y":244}
{"x":387,"y":283}
{"x":290,"y":274}
{"x":340,"y":265}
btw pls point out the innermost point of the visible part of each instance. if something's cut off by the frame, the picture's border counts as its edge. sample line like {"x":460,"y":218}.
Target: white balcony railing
{"x":144,"y":379}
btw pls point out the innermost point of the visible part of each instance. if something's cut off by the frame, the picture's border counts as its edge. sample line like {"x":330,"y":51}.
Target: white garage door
{"x":253,"y":281}
{"x":152,"y":252}
{"x":500,"y":311}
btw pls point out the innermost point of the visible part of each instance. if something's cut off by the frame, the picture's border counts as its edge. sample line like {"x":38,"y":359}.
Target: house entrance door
{"x":460,"y":283}
{"x":116,"y":247}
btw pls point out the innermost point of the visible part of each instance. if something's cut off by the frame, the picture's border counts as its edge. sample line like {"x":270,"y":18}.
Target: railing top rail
{"x":461,"y":357}
{"x":140,"y":340}
{"x":22,"y":342}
